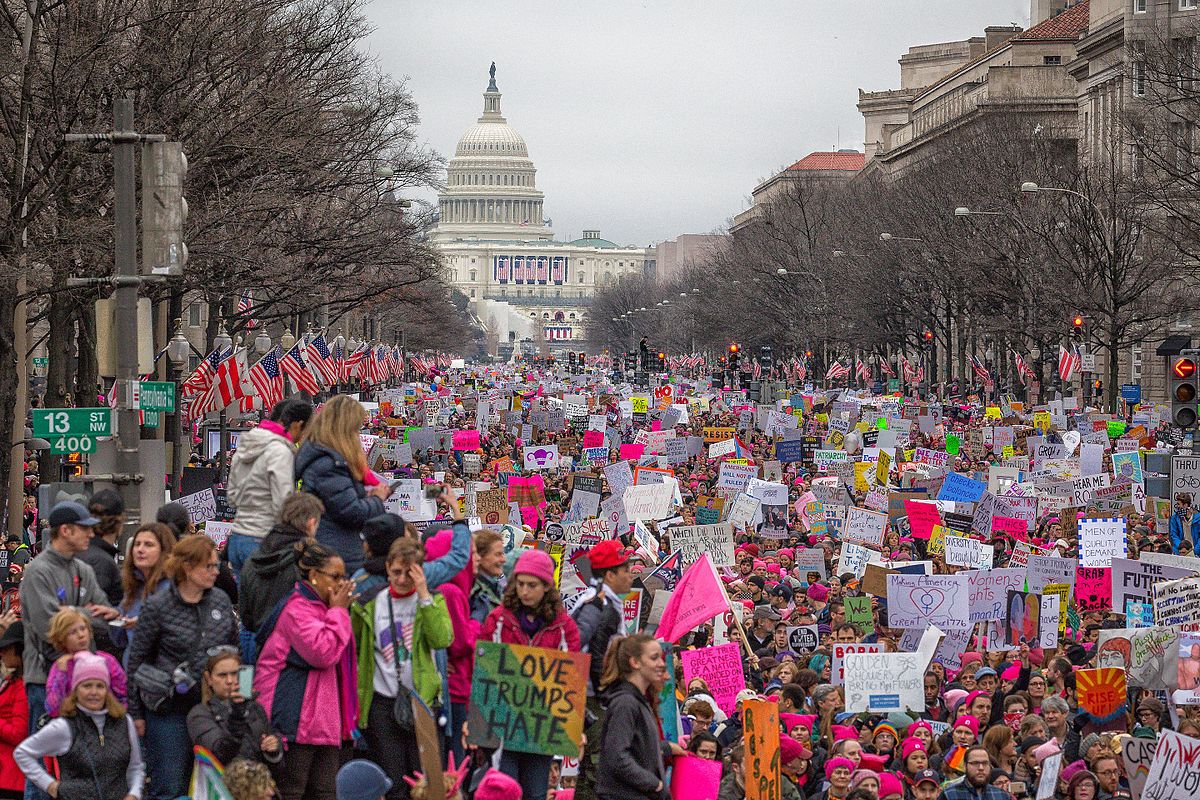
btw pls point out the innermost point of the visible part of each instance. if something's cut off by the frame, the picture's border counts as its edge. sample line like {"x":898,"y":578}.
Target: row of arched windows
{"x":489,"y":179}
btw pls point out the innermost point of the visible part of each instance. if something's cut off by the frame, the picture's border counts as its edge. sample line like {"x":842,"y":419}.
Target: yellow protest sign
{"x":713,"y":435}
{"x":862,"y":427}
{"x":745,"y":462}
{"x":937,"y":540}
{"x":1041,"y":420}
{"x":882,"y":467}
{"x":863,"y":470}
{"x":1007,"y":451}
{"x":641,"y":405}
{"x":1062,"y":590}
{"x":992,"y":412}
{"x":823,"y":419}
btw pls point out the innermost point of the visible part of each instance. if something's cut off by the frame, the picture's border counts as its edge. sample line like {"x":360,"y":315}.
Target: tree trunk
{"x":87,"y":370}
{"x":60,"y":374}
{"x":1110,"y":391}
{"x":10,"y":361}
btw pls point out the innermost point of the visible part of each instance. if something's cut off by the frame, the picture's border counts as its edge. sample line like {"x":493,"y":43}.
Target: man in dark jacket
{"x":271,"y":573}
{"x":101,"y":555}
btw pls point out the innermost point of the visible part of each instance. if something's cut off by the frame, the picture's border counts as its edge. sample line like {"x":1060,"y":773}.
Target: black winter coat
{"x":598,"y":621}
{"x":326,"y":474}
{"x":632,"y":753}
{"x":269,"y":575}
{"x":231,"y":731}
{"x":172,"y":632}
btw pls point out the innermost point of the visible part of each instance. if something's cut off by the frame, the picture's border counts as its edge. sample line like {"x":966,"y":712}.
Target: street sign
{"x":158,"y":396}
{"x":1088,"y":362}
{"x":1131,"y":392}
{"x":151,"y":419}
{"x":41,"y":361}
{"x":51,"y":422}
{"x":73,"y":444}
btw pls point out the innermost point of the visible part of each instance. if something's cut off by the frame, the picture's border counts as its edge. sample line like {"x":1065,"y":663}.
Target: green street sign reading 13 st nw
{"x":49,"y":423}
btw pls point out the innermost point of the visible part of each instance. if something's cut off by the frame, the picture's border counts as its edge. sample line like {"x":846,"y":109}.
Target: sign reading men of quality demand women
{"x":531,"y":699}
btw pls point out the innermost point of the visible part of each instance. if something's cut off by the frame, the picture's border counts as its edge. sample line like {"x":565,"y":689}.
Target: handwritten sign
{"x":693,"y":540}
{"x":1175,"y":771}
{"x":837,"y":674}
{"x":721,"y":669}
{"x":201,"y":506}
{"x":530,"y":698}
{"x":918,"y":601}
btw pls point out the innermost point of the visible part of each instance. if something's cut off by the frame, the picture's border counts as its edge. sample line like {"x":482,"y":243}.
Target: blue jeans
{"x":247,"y":645}
{"x":35,"y":693}
{"x":238,"y":550}
{"x":168,"y":755}
{"x":530,"y":770}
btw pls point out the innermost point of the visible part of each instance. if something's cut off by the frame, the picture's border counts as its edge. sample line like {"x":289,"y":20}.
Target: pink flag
{"x":698,"y":597}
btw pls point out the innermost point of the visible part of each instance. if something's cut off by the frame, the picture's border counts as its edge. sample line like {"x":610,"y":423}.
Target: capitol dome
{"x":490,"y":190}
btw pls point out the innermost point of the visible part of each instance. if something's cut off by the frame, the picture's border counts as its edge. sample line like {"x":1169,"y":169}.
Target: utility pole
{"x":127,"y":474}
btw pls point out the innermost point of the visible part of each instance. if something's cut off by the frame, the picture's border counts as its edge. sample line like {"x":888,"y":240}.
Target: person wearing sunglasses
{"x":176,"y":630}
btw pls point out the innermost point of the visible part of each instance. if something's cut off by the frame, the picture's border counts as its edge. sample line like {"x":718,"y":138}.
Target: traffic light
{"x":1181,"y":381}
{"x":733,"y":357}
{"x":662,"y":362}
{"x":582,"y":361}
{"x":1077,"y":322}
{"x":164,"y":208}
{"x":630,"y":361}
{"x":766,"y":357}
{"x":571,"y":361}
{"x":928,"y":336}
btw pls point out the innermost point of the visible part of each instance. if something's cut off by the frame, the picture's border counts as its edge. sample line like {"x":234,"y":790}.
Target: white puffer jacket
{"x":261,"y":476}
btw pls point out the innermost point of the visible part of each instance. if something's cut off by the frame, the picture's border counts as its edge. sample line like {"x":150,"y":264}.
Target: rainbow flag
{"x":207,"y":773}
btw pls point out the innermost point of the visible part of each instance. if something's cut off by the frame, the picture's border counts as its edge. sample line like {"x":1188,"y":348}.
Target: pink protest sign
{"x":922,"y":517}
{"x":694,"y":777}
{"x":656,"y":425}
{"x":631,"y":452}
{"x":466,"y":440}
{"x":721,"y":669}
{"x":1093,"y":588}
{"x":593,"y":439}
{"x":1010,"y":526}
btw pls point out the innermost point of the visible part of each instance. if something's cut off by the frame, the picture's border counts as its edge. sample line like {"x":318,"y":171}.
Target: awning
{"x":1172,"y":345}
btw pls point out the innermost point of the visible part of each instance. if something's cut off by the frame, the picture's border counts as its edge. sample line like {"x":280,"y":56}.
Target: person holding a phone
{"x":229,"y":722}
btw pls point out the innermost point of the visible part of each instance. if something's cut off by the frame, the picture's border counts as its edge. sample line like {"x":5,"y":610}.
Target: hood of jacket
{"x":271,"y":563}
{"x":281,"y":536}
{"x":437,"y":546}
{"x":256,"y":441}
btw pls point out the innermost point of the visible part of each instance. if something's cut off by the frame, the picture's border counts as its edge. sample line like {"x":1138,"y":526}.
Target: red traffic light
{"x":662,"y":355}
{"x":1184,"y":368}
{"x":928,"y":335}
{"x":1077,"y":321}
{"x":733,"y":348}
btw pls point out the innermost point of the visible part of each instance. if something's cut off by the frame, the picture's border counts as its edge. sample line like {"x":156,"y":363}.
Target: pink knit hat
{"x":953,"y":697}
{"x":921,"y":723}
{"x":497,"y":786}
{"x":841,"y":732}
{"x":537,"y":564}
{"x":969,"y":722}
{"x":911,"y":745}
{"x":834,"y":763}
{"x":790,"y":749}
{"x":818,"y":592}
{"x":88,"y":666}
{"x":889,"y":785}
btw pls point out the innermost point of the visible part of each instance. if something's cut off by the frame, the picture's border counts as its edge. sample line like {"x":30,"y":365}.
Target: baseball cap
{"x":926,"y":775}
{"x":782,"y":590}
{"x":68,"y":512}
{"x":766,"y":612}
{"x":608,"y":554}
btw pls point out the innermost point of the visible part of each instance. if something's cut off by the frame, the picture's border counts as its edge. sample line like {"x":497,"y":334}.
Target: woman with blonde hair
{"x":331,"y":464}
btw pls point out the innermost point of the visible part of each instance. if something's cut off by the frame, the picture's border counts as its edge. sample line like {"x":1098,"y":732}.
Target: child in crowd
{"x":71,"y":634}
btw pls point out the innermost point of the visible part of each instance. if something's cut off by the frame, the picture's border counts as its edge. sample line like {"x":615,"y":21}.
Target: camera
{"x":182,"y":679}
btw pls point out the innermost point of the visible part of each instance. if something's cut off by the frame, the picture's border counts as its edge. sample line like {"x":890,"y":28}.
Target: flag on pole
{"x":837,"y":371}
{"x":697,"y":598}
{"x":669,"y":571}
{"x":861,"y":371}
{"x":886,"y":368}
{"x":207,"y":777}
{"x":199,"y":381}
{"x":321,"y":360}
{"x":295,"y":367}
{"x":267,"y":379}
{"x":1068,"y":362}
{"x":246,"y":306}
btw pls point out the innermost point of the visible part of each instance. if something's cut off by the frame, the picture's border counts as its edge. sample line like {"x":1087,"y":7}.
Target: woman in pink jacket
{"x":305,"y":677}
{"x":460,"y":656}
{"x":531,"y":613}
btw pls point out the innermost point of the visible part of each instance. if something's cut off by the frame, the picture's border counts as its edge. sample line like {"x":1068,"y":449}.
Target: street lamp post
{"x":178,"y":349}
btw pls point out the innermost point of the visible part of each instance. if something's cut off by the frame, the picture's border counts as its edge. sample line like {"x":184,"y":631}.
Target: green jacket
{"x":432,"y":630}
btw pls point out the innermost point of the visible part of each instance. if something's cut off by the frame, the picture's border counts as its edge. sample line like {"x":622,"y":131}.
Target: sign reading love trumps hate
{"x":530,"y":698}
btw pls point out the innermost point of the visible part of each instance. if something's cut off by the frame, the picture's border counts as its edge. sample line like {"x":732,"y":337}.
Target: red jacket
{"x":501,"y":625}
{"x":14,"y":727}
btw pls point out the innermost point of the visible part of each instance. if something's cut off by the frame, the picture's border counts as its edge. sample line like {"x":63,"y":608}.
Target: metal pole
{"x":125,"y":146}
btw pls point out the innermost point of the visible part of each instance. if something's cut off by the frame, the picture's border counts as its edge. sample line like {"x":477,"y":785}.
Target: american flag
{"x":321,"y":360}
{"x":980,"y":368}
{"x":1024,"y":370}
{"x":199,"y":381}
{"x":267,"y":379}
{"x":910,"y":372}
{"x":295,"y":367}
{"x":1069,"y":362}
{"x":245,"y":306}
{"x":837,"y":371}
{"x":756,"y":369}
{"x":886,"y":368}
{"x":861,"y":371}
{"x":350,"y":367}
{"x":226,"y":387}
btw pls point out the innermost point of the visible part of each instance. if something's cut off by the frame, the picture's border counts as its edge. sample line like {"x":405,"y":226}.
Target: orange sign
{"x":760,"y":731}
{"x":1101,"y":691}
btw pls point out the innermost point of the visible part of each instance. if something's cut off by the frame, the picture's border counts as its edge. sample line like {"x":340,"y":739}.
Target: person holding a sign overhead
{"x":531,"y":613}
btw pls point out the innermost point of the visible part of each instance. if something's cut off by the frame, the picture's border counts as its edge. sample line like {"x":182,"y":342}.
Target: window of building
{"x":1139,"y":6}
{"x":1137,"y":74}
{"x":1185,"y":63}
{"x":193,"y":362}
{"x":195,"y":319}
{"x":1051,"y":60}
{"x":582,"y":279}
{"x":472,"y":294}
{"x":1184,"y":5}
{"x":473,"y":278}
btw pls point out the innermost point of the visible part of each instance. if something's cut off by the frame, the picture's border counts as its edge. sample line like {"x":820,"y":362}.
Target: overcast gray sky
{"x":651,"y":119}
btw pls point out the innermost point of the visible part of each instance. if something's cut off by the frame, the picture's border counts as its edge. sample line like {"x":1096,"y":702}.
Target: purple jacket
{"x":306,"y":670}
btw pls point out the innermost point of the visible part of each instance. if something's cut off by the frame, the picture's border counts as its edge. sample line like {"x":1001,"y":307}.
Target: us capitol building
{"x":500,"y":251}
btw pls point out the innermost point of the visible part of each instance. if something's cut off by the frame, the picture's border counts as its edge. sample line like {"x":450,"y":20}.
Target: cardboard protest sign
{"x":837,"y":675}
{"x":530,"y":698}
{"x":201,"y":506}
{"x":693,"y":540}
{"x":864,"y":527}
{"x":491,"y":506}
{"x":1136,"y":755}
{"x":886,"y":682}
{"x":989,"y":590}
{"x":760,"y":721}
{"x":1177,"y":602}
{"x":962,"y":551}
{"x":1148,"y":656}
{"x":1024,"y":620}
{"x":1101,"y":540}
{"x":918,"y":601}
{"x":1101,"y":693}
{"x":858,"y":612}
{"x":721,"y":668}
{"x":1134,"y":579}
{"x":1175,"y":770}
{"x":650,"y":501}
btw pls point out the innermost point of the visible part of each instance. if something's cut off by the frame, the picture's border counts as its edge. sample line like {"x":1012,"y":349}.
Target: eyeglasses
{"x":337,"y":576}
{"x":1113,"y":771}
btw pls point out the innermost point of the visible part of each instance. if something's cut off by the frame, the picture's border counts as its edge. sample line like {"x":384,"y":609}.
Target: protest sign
{"x":649,"y":501}
{"x":1134,"y":579}
{"x":760,"y":721}
{"x":201,"y":506}
{"x":858,"y":612}
{"x":1175,"y":769}
{"x":1177,"y":602}
{"x":837,"y":675}
{"x":693,"y":777}
{"x":721,"y":668}
{"x":885,"y":682}
{"x":864,"y":527}
{"x":693,"y":540}
{"x":1136,"y":755}
{"x":1101,"y":693}
{"x":922,"y":517}
{"x":961,"y":489}
{"x":918,"y":601}
{"x":1093,"y":588}
{"x":217,"y":531}
{"x":1048,"y":781}
{"x":1149,"y":656}
{"x":1048,"y":622}
{"x":1043,"y":570}
{"x":1101,"y":540}
{"x":802,"y":638}
{"x":1024,"y":619}
{"x":530,"y":698}
{"x":542,"y":456}
{"x":620,"y":477}
{"x":989,"y":590}
{"x":962,"y":551}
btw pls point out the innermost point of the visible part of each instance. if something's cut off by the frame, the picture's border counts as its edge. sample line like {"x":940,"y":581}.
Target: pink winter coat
{"x":306,"y":676}
{"x":501,"y":625}
{"x":460,"y":656}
